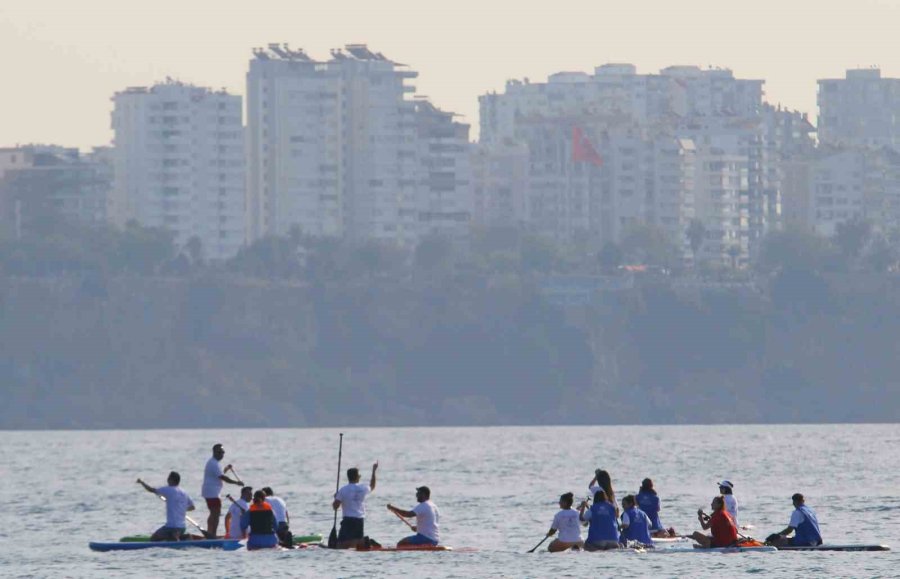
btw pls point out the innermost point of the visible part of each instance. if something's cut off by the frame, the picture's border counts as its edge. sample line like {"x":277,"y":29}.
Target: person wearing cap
{"x":427,"y":520}
{"x":803,"y":524}
{"x":567,"y":522}
{"x":213,"y":479}
{"x":351,"y":499}
{"x":726,"y":489}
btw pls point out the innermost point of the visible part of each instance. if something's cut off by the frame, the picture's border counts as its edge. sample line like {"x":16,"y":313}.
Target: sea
{"x":496,"y":489}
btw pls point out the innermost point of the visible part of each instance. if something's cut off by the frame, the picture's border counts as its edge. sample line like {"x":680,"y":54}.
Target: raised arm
{"x":372,"y":480}
{"x":147,"y":487}
{"x":703,"y":518}
{"x":230,"y":480}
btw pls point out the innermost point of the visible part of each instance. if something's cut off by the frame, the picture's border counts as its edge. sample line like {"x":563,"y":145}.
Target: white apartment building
{"x":445,"y":187}
{"x":179,"y":164}
{"x":862,"y":109}
{"x":333,"y":146}
{"x":499,"y":184}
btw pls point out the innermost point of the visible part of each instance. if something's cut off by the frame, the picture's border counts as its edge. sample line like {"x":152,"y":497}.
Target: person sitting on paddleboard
{"x":566,"y":521}
{"x":726,"y":489}
{"x":804,"y":524}
{"x":235,"y":512}
{"x":260,"y":519}
{"x":427,"y":520}
{"x":648,"y":501}
{"x":604,"y":530}
{"x":178,"y":503}
{"x":282,"y":517}
{"x":635,"y":523}
{"x":603,"y":481}
{"x":351,"y":498}
{"x":724,"y":531}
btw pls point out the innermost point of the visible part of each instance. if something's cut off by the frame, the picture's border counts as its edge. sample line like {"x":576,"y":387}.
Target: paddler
{"x":566,"y":521}
{"x":260,"y":520}
{"x":635,"y":523}
{"x":804,"y":524}
{"x":603,"y":481}
{"x":603,"y":533}
{"x":351,"y":499}
{"x":648,"y":501}
{"x":282,"y":517}
{"x":213,"y":479}
{"x":724,"y":531}
{"x":726,"y":489}
{"x":427,"y":520}
{"x":178,"y":503}
{"x":235,"y":511}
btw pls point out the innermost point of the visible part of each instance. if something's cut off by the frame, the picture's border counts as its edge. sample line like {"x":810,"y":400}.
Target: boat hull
{"x":226,"y":544}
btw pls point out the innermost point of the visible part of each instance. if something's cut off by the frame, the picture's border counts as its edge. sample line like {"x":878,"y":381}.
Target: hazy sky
{"x":63,"y":59}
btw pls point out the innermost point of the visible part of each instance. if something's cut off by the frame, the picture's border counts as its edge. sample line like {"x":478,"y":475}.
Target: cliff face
{"x":145,"y":352}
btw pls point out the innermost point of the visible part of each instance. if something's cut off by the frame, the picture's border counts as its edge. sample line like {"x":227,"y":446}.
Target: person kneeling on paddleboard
{"x":804,"y":525}
{"x":604,"y":531}
{"x":567,"y":523}
{"x":724,"y":531}
{"x":648,"y":501}
{"x":427,"y":520}
{"x":351,"y":499}
{"x":261,"y":521}
{"x":178,"y":503}
{"x":635,"y":523}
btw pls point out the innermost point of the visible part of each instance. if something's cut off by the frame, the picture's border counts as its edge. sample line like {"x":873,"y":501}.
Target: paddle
{"x":332,"y":538}
{"x":408,"y":524}
{"x":740,"y":534}
{"x":234,"y":472}
{"x":533,"y":549}
{"x":243,"y":510}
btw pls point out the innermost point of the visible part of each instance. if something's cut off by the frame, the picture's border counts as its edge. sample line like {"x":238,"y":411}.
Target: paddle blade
{"x":332,"y":538}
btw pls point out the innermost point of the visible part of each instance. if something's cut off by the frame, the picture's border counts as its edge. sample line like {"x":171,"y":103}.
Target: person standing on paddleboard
{"x":351,"y":499}
{"x":804,"y":524}
{"x":213,"y":479}
{"x":427,"y":520}
{"x":178,"y":503}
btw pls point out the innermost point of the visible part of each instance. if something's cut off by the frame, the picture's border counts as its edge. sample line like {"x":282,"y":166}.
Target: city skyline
{"x":91,"y":52}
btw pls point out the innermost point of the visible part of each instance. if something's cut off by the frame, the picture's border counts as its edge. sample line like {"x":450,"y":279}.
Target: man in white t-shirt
{"x":351,"y":499}
{"x":427,"y":516}
{"x":235,"y":511}
{"x":178,"y":503}
{"x":282,"y":518}
{"x":213,"y":478}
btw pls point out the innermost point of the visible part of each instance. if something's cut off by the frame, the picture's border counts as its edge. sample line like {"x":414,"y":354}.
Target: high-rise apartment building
{"x":337,"y":149}
{"x":862,"y":109}
{"x":179,"y":164}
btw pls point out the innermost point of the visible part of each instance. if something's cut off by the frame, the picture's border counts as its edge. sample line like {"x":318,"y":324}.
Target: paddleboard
{"x":407,"y":548}
{"x":716,"y":550}
{"x":837,"y":548}
{"x":298,"y":539}
{"x":226,"y":544}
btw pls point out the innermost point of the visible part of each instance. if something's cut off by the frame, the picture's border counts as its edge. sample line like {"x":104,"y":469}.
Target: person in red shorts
{"x":213,"y":479}
{"x":724,"y":532}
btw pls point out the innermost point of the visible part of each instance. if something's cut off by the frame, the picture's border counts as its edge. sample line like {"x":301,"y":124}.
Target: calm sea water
{"x":496,"y":487}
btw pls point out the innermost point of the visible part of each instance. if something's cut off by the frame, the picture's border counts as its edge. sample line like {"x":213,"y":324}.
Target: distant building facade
{"x":179,"y":164}
{"x":861,"y":109}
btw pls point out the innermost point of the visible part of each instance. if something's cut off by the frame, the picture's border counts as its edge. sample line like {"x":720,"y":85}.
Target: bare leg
{"x":212,"y":522}
{"x":557,"y":545}
{"x":704,"y":541}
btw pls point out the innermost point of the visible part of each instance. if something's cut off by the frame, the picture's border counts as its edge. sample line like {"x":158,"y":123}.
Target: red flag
{"x":583,"y":150}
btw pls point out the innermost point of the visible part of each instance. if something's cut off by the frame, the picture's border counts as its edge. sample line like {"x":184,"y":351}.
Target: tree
{"x":696,"y":234}
{"x":734,"y":252}
{"x":649,"y":245}
{"x":852,"y":236}
{"x":610,"y":257}
{"x":794,"y":250}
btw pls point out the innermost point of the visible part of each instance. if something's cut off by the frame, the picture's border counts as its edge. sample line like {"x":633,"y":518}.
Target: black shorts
{"x":351,"y":528}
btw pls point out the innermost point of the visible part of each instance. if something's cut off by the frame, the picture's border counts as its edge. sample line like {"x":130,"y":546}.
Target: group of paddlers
{"x":638,"y":522}
{"x":262,"y":518}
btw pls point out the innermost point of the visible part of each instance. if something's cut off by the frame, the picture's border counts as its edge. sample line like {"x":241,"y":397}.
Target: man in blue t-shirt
{"x":804,"y":525}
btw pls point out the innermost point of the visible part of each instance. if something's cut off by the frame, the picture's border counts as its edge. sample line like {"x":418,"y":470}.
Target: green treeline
{"x":117,"y":329}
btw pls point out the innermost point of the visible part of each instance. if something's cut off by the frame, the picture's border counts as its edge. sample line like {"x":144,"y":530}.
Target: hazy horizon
{"x":85,"y":53}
